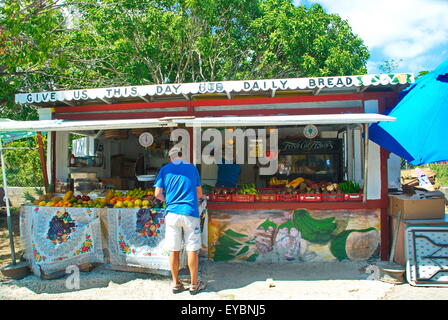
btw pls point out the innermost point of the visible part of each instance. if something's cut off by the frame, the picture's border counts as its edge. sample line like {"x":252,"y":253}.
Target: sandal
{"x":195,"y":288}
{"x":179,"y":287}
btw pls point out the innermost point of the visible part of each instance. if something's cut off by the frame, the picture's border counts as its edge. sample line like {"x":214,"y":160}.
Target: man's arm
{"x":158,"y":193}
{"x":198,"y":185}
{"x":199,"y":192}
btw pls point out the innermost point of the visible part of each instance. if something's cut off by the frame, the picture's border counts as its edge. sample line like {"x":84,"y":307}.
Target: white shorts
{"x":178,"y":227}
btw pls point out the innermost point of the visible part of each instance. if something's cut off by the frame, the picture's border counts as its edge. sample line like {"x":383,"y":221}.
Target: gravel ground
{"x":233,"y":281}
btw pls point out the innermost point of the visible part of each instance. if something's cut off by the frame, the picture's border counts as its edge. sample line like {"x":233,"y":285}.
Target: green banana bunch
{"x":247,"y":189}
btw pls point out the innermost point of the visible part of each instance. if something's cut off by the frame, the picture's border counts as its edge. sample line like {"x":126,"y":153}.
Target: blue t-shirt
{"x":228,"y":175}
{"x":179,"y":180}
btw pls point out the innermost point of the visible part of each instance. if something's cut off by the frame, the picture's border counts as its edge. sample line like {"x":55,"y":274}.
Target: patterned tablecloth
{"x":55,"y":238}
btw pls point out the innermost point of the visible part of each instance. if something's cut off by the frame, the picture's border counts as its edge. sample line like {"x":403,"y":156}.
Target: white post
{"x":8,"y":212}
{"x":366,"y":159}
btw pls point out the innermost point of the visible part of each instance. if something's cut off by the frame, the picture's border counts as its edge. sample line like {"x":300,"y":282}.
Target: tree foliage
{"x":23,"y":167}
{"x":55,"y":44}
{"x":67,"y":44}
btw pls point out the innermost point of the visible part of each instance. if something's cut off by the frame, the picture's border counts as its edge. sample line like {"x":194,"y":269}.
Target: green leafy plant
{"x":349,"y":187}
{"x":28,"y":196}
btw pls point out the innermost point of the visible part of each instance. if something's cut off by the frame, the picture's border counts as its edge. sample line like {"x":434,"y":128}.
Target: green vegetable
{"x":349,"y":187}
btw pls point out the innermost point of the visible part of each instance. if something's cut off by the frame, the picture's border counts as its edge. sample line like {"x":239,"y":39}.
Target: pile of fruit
{"x":136,"y":198}
{"x":69,"y":200}
{"x":311,"y":188}
{"x":224,"y":191}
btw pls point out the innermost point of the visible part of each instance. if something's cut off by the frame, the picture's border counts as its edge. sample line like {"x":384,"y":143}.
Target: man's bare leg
{"x":174,"y":265}
{"x":193,"y":265}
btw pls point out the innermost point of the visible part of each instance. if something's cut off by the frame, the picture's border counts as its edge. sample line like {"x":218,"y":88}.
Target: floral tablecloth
{"x":55,"y":238}
{"x":136,"y":238}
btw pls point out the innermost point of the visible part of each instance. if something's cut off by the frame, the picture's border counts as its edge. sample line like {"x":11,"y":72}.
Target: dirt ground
{"x":226,"y":281}
{"x":5,"y":251}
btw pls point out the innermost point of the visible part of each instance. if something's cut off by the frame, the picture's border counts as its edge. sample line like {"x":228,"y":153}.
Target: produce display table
{"x":57,"y":237}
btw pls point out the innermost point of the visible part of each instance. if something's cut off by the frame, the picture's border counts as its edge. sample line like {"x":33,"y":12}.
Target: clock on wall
{"x":310,"y":131}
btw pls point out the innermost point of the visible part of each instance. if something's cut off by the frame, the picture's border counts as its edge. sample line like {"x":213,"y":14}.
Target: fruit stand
{"x":327,"y":202}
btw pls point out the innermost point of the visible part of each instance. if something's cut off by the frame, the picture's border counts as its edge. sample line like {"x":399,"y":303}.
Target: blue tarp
{"x":15,"y":135}
{"x":420,"y":134}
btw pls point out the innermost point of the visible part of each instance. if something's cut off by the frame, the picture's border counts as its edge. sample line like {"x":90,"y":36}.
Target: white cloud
{"x":399,"y":29}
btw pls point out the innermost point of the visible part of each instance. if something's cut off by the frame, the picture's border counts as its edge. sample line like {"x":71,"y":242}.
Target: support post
{"x":43,"y":163}
{"x":53,"y":160}
{"x":8,"y":211}
{"x":366,"y":159}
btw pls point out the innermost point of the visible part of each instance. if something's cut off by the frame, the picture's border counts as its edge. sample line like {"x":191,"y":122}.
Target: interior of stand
{"x":116,"y":158}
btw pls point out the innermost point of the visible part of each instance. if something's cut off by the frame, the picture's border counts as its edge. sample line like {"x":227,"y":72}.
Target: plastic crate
{"x":287,"y":197}
{"x":243,"y":197}
{"x":353,"y":196}
{"x":220,"y":197}
{"x":332,"y":197}
{"x":266,"y":195}
{"x":222,"y":189}
{"x":310,"y":197}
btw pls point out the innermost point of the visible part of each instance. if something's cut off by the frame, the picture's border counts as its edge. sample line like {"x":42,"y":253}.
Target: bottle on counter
{"x":72,"y":160}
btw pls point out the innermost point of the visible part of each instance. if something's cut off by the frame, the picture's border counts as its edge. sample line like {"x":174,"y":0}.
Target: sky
{"x":414,"y":33}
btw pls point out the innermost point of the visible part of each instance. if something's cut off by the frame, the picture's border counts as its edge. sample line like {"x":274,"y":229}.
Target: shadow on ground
{"x":219,"y":276}
{"x":97,"y":278}
{"x":224,"y":276}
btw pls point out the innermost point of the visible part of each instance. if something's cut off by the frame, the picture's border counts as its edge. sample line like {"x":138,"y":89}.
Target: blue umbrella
{"x":419,"y":134}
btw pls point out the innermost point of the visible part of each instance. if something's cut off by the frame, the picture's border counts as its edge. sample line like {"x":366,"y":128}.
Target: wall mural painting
{"x":298,"y":235}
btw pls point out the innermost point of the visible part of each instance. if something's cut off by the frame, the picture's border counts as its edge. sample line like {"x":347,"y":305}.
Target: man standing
{"x":228,"y":172}
{"x":178,"y":184}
